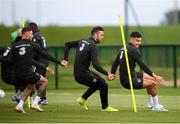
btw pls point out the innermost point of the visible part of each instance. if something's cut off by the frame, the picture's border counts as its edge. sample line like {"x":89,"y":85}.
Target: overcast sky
{"x":84,"y":12}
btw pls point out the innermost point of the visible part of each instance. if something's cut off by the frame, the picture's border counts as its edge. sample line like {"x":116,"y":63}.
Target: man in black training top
{"x":86,"y":54}
{"x":140,"y":80}
{"x":7,"y":71}
{"x":22,"y":54}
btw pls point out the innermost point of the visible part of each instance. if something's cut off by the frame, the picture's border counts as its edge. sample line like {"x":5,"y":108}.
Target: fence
{"x":162,"y":59}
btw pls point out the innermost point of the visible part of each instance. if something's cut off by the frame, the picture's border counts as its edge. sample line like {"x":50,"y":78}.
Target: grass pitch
{"x":62,"y":108}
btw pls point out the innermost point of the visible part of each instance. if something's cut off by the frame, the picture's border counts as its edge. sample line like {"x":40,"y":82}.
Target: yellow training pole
{"x":28,"y":99}
{"x":29,"y":102}
{"x":22,"y":25}
{"x":127,"y":63}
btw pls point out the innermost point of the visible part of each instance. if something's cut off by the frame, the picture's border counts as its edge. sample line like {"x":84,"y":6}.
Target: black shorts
{"x":32,"y":78}
{"x":9,"y":79}
{"x":137,"y":81}
{"x":90,"y":79}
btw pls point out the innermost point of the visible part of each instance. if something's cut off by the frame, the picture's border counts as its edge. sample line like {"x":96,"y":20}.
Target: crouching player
{"x":147,"y":80}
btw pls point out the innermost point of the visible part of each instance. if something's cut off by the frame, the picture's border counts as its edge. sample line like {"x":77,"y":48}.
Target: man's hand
{"x":158,"y":78}
{"x":111,"y":77}
{"x":64,"y":63}
{"x":50,"y":70}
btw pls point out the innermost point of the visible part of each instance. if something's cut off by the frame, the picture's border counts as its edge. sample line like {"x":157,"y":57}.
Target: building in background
{"x":173,"y":17}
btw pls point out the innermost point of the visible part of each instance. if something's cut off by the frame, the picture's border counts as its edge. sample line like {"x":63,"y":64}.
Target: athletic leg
{"x":42,"y":72}
{"x":150,"y":100}
{"x":27,"y":91}
{"x":42,"y":85}
{"x":150,"y":84}
{"x":95,"y":82}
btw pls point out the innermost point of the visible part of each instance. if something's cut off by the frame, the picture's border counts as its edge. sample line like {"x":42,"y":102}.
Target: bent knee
{"x":46,"y":81}
{"x":149,"y":83}
{"x":104,"y":84}
{"x":43,"y":81}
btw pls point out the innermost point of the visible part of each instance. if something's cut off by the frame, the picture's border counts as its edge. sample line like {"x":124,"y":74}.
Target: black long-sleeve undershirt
{"x":86,"y":52}
{"x":23,"y":53}
{"x":134,"y":57}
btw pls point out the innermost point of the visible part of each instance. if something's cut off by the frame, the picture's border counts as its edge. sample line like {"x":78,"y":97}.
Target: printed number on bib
{"x":6,"y":52}
{"x":22,"y":51}
{"x":121,"y":54}
{"x":82,"y":47}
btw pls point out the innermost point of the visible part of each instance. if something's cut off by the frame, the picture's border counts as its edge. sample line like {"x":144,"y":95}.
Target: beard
{"x":97,"y":41}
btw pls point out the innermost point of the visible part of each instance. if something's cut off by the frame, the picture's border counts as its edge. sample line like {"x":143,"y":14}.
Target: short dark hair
{"x":96,"y":29}
{"x":33,"y":26}
{"x":135,"y":34}
{"x":26,"y":29}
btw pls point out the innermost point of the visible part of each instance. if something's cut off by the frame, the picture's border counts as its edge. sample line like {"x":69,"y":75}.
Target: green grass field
{"x":62,"y":108}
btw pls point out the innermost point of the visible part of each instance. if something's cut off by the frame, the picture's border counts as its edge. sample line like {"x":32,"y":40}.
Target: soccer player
{"x":41,"y":41}
{"x":22,"y":54}
{"x":7,"y":71}
{"x":147,"y":80}
{"x":7,"y":68}
{"x":87,"y":53}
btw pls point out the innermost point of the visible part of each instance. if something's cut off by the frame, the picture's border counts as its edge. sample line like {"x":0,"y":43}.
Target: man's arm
{"x":68,"y":46}
{"x":1,"y":58}
{"x":6,"y":55}
{"x":115,"y":65}
{"x":95,"y":62}
{"x":2,"y":50}
{"x":45,"y":54}
{"x":138,"y":59}
{"x":39,"y":39}
{"x":112,"y":76}
{"x":43,"y":42}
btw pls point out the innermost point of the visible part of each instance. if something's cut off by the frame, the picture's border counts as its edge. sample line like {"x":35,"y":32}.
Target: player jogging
{"x":87,"y":53}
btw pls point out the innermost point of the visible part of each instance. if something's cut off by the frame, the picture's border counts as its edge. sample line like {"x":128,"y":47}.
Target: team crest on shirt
{"x":139,"y":80}
{"x":94,"y":80}
{"x":34,"y":40}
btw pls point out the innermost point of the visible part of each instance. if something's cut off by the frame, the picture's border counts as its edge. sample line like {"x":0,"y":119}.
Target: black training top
{"x":23,"y":53}
{"x":86,"y":52}
{"x":7,"y":66}
{"x":2,"y":50}
{"x":134,"y":57}
{"x":40,"y":40}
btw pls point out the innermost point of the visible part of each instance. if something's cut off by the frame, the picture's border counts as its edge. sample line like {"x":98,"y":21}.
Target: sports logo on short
{"x":94,"y":80}
{"x":139,"y":80}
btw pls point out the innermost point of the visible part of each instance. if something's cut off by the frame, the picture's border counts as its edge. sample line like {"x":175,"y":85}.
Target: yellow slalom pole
{"x":127,"y":63}
{"x":29,"y":102}
{"x":22,"y":25}
{"x":28,"y":99}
